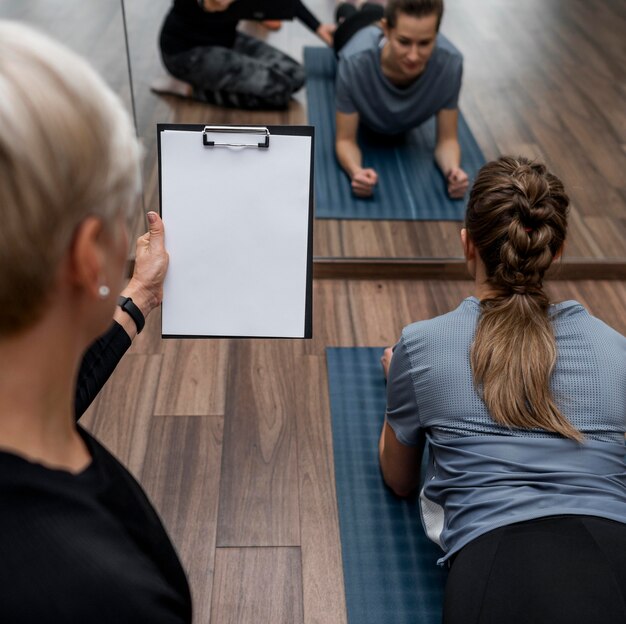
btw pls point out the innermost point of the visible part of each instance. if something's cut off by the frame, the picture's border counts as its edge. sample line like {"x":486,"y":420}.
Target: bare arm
{"x":399,"y":463}
{"x":350,"y":157}
{"x":448,"y":152}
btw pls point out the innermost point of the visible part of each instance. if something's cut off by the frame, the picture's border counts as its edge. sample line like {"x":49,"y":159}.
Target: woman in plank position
{"x":523,"y":406}
{"x":393,"y":76}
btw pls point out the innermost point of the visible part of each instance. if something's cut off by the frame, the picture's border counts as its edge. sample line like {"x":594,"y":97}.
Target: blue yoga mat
{"x":389,"y":564}
{"x":410,"y":185}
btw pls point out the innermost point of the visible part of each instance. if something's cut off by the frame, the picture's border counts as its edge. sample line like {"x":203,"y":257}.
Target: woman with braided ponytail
{"x":523,"y":406}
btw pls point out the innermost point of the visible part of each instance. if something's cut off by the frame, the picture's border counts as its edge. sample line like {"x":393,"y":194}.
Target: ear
{"x":385,"y":26}
{"x":87,"y":257}
{"x":469,"y":250}
{"x":468,"y":246}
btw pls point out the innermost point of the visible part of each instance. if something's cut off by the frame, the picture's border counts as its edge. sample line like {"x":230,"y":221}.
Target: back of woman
{"x":523,"y":404}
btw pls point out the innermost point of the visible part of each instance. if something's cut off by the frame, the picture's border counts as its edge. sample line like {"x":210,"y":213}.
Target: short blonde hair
{"x":67,"y":150}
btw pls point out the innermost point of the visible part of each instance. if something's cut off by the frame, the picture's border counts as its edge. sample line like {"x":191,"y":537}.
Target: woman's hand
{"x":363,"y":182}
{"x":151,"y":259}
{"x":326,"y":32}
{"x":458,"y":182}
{"x":385,"y":360}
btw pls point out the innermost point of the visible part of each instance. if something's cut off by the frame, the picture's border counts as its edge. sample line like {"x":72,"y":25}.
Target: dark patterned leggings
{"x":251,"y":74}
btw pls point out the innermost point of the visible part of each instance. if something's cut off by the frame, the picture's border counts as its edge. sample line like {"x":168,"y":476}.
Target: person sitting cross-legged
{"x":209,"y":60}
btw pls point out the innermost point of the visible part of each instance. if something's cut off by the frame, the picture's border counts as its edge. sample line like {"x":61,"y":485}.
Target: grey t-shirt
{"x":483,"y":475}
{"x":362,"y":87}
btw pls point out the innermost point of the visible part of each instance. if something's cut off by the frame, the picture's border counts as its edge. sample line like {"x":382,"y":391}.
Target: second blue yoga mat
{"x":390,"y":570}
{"x":410,"y":186}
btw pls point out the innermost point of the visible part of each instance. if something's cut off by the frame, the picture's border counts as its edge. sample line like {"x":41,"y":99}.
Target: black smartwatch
{"x":126,"y":303}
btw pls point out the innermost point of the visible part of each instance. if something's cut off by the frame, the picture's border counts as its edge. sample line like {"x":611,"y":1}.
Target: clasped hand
{"x":151,"y":260}
{"x":458,"y":182}
{"x":363,"y":182}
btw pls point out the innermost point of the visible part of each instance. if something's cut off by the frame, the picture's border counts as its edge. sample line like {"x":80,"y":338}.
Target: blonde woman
{"x":79,"y":541}
{"x":523,"y":405}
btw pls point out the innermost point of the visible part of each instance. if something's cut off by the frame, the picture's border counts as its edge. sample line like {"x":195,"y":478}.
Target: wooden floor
{"x":231,"y":439}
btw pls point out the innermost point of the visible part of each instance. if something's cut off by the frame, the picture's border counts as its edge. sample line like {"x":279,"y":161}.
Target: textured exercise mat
{"x":410,"y":185}
{"x":390,"y":569}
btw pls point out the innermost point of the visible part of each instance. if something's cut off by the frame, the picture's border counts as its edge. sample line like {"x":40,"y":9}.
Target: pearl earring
{"x":104,"y":291}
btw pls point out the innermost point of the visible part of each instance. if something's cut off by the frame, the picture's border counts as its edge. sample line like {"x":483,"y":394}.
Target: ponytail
{"x":517,"y":220}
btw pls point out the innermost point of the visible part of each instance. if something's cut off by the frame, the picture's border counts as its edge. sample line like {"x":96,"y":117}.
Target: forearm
{"x":145,"y":288}
{"x":381,"y":447}
{"x":349,"y":156}
{"x":98,"y":363}
{"x":104,"y":354}
{"x":142,"y":298}
{"x":448,"y":155}
{"x":399,"y":465}
{"x":306,"y":17}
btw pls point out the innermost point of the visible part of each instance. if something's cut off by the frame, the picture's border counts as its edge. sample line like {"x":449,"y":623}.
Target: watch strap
{"x":127,"y":304}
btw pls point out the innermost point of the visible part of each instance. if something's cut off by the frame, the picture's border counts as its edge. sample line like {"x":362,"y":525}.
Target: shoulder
{"x":446,"y":57}
{"x":448,"y":50}
{"x":357,"y":65}
{"x":363,"y":46}
{"x":460,"y":321}
{"x":571,"y":314}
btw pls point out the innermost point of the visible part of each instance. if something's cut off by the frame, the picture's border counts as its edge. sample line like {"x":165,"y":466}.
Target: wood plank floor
{"x":245,"y":483}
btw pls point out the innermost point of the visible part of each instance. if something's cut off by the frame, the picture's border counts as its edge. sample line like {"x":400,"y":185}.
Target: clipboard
{"x":237,"y":204}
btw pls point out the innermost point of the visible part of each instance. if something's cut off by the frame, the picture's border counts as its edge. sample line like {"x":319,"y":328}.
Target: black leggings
{"x":350,"y":21}
{"x":250,"y":75}
{"x":554,"y":570}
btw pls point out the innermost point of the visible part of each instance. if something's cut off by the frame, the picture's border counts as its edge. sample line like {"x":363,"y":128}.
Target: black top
{"x":87,"y":547}
{"x":188,"y":26}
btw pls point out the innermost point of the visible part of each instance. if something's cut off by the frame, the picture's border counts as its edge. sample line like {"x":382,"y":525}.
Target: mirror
{"x":94,"y":29}
{"x":537,"y":82}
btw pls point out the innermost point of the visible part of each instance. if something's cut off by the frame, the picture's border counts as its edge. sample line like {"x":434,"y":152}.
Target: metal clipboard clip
{"x":236,"y":130}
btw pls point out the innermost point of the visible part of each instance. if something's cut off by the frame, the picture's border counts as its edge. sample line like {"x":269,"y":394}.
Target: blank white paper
{"x":236,"y":229}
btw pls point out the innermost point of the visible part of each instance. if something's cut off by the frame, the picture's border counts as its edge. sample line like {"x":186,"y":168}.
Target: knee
{"x":298,"y":78}
{"x":343,"y":11}
{"x":287,"y":80}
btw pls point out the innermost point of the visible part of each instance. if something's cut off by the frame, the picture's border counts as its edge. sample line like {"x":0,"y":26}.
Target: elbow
{"x":401,"y":490}
{"x":401,"y":487}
